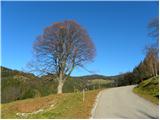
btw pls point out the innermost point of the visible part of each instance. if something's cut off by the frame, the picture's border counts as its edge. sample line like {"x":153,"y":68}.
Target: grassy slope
{"x":68,"y":105}
{"x":149,"y":89}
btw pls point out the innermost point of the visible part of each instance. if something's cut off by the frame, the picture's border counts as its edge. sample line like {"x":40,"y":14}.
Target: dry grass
{"x":69,"y":105}
{"x":31,"y":105}
{"x":83,"y":109}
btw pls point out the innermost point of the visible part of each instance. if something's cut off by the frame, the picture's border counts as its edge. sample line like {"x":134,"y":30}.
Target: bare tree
{"x":62,"y":47}
{"x":152,"y":60}
{"x":152,"y":56}
{"x":154,"y":30}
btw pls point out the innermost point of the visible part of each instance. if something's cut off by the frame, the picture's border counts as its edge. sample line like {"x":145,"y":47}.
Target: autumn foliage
{"x":62,"y":47}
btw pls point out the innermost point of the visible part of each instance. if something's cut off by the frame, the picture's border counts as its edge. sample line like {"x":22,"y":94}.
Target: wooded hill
{"x":17,"y":85}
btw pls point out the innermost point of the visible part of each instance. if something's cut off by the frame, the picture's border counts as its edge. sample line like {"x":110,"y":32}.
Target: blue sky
{"x":118,"y":30}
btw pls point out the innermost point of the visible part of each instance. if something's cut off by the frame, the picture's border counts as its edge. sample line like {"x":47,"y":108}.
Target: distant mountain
{"x":92,"y":77}
{"x":9,"y":72}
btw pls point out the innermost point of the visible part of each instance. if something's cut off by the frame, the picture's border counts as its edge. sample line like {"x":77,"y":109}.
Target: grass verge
{"x":149,"y":89}
{"x":68,"y":105}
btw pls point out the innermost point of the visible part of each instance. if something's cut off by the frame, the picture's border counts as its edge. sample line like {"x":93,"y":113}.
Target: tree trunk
{"x":156,"y":69}
{"x":60,"y":83}
{"x":60,"y":87}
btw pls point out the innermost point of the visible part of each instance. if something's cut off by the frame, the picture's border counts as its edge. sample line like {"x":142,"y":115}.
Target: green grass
{"x":68,"y":105}
{"x":100,"y":81}
{"x":149,"y":89}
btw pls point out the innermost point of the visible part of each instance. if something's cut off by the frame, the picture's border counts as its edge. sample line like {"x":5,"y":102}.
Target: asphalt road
{"x":121,"y":102}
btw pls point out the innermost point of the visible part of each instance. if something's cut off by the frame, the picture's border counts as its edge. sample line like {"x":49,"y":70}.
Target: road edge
{"x":95,"y":104}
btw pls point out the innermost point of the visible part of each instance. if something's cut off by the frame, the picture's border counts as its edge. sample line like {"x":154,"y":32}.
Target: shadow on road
{"x":148,"y":115}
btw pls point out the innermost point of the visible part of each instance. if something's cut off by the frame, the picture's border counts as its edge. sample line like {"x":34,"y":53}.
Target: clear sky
{"x":118,"y":30}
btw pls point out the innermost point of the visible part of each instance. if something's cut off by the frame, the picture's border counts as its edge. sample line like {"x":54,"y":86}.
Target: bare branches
{"x":62,"y":47}
{"x":154,"y":29}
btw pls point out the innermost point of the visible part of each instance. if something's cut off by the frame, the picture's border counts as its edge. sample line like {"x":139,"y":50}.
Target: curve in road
{"x":121,"y":102}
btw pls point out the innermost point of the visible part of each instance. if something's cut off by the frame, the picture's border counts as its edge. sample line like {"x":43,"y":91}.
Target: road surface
{"x":121,"y":102}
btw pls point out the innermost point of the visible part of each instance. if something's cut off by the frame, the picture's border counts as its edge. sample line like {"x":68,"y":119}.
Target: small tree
{"x":62,"y":47}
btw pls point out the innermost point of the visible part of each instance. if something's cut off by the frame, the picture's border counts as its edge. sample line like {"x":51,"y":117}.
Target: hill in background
{"x":18,"y":85}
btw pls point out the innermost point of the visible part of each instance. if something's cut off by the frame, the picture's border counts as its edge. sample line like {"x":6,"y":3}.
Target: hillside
{"x":17,"y":85}
{"x":94,"y":76}
{"x":6,"y":72}
{"x":68,"y":105}
{"x":149,"y":89}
